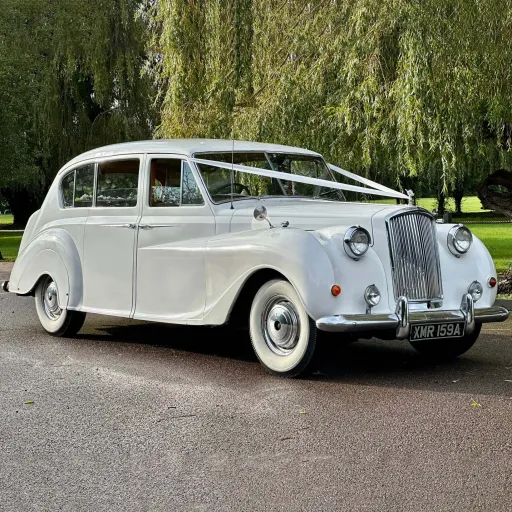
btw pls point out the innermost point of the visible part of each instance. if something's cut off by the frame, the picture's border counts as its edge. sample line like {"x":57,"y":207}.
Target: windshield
{"x":218,"y":181}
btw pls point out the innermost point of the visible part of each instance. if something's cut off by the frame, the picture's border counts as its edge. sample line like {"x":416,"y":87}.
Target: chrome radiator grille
{"x":414,"y":256}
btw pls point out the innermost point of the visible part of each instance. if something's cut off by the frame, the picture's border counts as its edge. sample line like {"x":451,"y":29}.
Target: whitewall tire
{"x":282,"y":333}
{"x":55,"y":321}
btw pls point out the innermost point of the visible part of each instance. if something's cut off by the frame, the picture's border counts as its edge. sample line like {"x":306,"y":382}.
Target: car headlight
{"x":356,"y":242}
{"x":459,"y":239}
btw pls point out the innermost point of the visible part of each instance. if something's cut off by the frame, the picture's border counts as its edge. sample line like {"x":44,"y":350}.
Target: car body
{"x":163,"y":231}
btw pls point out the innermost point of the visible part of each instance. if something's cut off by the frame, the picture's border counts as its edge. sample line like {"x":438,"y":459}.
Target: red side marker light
{"x":492,"y":282}
{"x":335,"y":290}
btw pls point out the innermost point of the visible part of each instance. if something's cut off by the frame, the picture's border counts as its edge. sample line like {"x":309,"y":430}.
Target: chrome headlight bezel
{"x":348,"y":242}
{"x":453,"y":242}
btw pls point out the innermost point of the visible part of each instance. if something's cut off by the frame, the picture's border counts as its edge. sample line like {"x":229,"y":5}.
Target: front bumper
{"x":403,"y":318}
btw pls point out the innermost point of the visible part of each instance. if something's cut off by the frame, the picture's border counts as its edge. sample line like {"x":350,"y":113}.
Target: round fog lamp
{"x":475,"y":290}
{"x":372,"y":295}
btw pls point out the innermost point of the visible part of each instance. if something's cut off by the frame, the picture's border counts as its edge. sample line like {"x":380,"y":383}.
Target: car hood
{"x":307,"y":214}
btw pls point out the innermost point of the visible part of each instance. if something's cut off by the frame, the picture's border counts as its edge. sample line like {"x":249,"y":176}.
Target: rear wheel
{"x":55,"y":321}
{"x":447,"y":348}
{"x":282,"y":333}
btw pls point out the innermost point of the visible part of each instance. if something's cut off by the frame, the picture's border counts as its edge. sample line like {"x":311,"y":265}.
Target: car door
{"x":110,"y":236}
{"x":175,"y":224}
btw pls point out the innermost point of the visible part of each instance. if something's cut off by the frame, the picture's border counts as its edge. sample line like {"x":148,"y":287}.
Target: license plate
{"x":435,"y":331}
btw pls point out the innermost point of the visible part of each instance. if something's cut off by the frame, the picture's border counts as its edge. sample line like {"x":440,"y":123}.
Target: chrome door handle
{"x":152,"y":226}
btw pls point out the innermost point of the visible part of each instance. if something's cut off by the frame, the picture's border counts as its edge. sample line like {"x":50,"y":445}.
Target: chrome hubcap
{"x":50,"y":302}
{"x":281,"y":326}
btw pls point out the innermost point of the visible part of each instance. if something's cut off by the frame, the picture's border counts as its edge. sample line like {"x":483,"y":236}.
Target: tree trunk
{"x":458,"y":195}
{"x":22,"y":203}
{"x":441,"y":203}
{"x":495,"y":192}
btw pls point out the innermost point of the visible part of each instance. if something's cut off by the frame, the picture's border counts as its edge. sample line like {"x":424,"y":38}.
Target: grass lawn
{"x":9,"y":244}
{"x":498,"y":239}
{"x":6,"y":219}
{"x":469,"y":204}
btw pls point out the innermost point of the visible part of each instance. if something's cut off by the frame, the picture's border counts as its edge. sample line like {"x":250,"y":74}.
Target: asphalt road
{"x":135,"y":416}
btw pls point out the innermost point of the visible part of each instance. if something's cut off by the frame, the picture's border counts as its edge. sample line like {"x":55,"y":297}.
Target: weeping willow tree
{"x":71,"y":78}
{"x":410,"y":92}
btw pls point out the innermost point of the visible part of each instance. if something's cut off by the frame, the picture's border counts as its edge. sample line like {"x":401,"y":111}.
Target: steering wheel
{"x":339,"y":194}
{"x":238,"y":188}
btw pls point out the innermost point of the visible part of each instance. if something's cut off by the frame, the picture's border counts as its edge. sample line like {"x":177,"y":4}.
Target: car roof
{"x":186,"y":147}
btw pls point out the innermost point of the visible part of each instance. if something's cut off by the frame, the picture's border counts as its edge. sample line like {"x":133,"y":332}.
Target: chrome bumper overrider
{"x":403,"y":318}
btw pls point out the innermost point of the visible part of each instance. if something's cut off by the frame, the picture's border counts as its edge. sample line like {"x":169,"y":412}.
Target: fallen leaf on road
{"x":454,"y":381}
{"x":29,"y":402}
{"x":302,"y":412}
{"x":508,"y":380}
{"x":475,"y":404}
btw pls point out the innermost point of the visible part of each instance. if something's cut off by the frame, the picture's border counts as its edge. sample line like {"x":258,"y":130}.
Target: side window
{"x":172,"y":184}
{"x":68,"y":189}
{"x":118,"y":182}
{"x":84,"y":186}
{"x":190,"y":193}
{"x":77,"y":187}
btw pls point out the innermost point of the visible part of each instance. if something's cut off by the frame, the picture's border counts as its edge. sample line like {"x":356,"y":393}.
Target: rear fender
{"x":53,"y":253}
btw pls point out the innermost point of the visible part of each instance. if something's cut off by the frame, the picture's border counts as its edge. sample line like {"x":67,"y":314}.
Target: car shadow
{"x":485,"y":369}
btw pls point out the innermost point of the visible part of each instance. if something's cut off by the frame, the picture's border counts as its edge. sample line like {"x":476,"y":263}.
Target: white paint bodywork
{"x":192,"y":265}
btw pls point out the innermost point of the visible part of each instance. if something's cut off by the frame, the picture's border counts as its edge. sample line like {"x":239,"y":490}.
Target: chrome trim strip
{"x":123,"y":225}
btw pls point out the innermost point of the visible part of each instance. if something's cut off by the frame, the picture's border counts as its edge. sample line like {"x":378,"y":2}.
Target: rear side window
{"x":118,"y":183}
{"x":68,"y":189}
{"x":77,"y":187}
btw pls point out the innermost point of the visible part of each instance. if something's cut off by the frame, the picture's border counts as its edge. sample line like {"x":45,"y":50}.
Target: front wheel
{"x":55,"y":321}
{"x":282,"y":333}
{"x":447,"y":348}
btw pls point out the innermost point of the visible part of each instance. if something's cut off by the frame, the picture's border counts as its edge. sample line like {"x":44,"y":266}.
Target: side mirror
{"x":260,"y":213}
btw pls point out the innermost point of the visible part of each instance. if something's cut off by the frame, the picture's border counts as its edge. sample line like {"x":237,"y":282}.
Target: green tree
{"x":405,"y":91}
{"x":71,"y":78}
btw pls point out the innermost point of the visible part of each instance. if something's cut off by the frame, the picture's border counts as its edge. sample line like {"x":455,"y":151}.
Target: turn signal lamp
{"x":335,"y":290}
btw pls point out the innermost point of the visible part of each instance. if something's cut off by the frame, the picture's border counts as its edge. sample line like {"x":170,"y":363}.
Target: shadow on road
{"x":484,"y":369}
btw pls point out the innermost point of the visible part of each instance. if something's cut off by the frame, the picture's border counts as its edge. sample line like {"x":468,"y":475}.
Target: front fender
{"x":295,"y":253}
{"x":53,"y":253}
{"x":458,"y":273}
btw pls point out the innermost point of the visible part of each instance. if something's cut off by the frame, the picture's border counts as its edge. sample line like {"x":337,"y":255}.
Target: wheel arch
{"x":52,"y":253}
{"x":241,"y":306}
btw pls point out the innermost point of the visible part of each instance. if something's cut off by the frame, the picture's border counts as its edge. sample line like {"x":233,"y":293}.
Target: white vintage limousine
{"x":205,"y":232}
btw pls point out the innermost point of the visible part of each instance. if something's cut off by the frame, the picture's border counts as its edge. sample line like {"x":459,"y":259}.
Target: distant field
{"x":9,"y":244}
{"x":469,"y":204}
{"x":6,"y":219}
